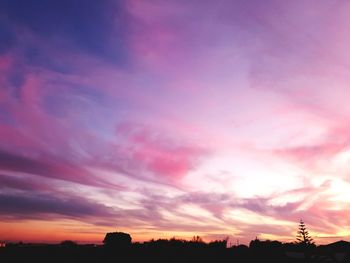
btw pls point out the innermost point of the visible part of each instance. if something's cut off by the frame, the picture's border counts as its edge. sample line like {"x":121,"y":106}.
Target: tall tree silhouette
{"x":303,"y":236}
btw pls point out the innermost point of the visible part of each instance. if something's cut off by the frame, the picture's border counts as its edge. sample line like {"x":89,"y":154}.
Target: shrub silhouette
{"x":218,"y":244}
{"x":68,"y":243}
{"x":117,"y":240}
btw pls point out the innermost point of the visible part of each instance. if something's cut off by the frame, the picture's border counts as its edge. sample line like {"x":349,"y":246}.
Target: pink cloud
{"x":310,"y":154}
{"x":159,"y":153}
{"x":318,"y":156}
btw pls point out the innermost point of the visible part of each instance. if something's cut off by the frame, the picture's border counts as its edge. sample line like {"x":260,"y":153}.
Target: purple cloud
{"x":38,"y":206}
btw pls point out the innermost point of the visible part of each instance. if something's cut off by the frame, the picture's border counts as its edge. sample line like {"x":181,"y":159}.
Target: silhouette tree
{"x":303,"y":237}
{"x":117,"y":240}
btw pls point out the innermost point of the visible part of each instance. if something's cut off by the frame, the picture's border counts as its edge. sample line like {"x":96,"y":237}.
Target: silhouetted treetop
{"x":303,"y":236}
{"x":117,"y":239}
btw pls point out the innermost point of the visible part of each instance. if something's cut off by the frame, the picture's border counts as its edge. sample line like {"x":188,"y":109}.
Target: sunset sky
{"x":174,"y":118}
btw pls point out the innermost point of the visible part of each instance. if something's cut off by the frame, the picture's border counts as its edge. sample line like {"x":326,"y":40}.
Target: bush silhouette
{"x":68,"y":243}
{"x":118,"y":248}
{"x":117,"y":240}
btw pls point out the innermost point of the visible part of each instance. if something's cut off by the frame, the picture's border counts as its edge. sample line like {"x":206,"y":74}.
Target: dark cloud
{"x":26,"y":183}
{"x":7,"y":36}
{"x":10,"y":161}
{"x":51,"y":168}
{"x":95,"y":27}
{"x":39,"y":205}
{"x":41,"y":56}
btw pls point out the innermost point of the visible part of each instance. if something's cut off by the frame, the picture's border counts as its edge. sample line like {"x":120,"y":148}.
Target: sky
{"x":174,"y":119}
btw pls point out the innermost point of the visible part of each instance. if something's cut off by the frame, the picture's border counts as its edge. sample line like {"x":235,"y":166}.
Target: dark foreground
{"x":176,"y":251}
